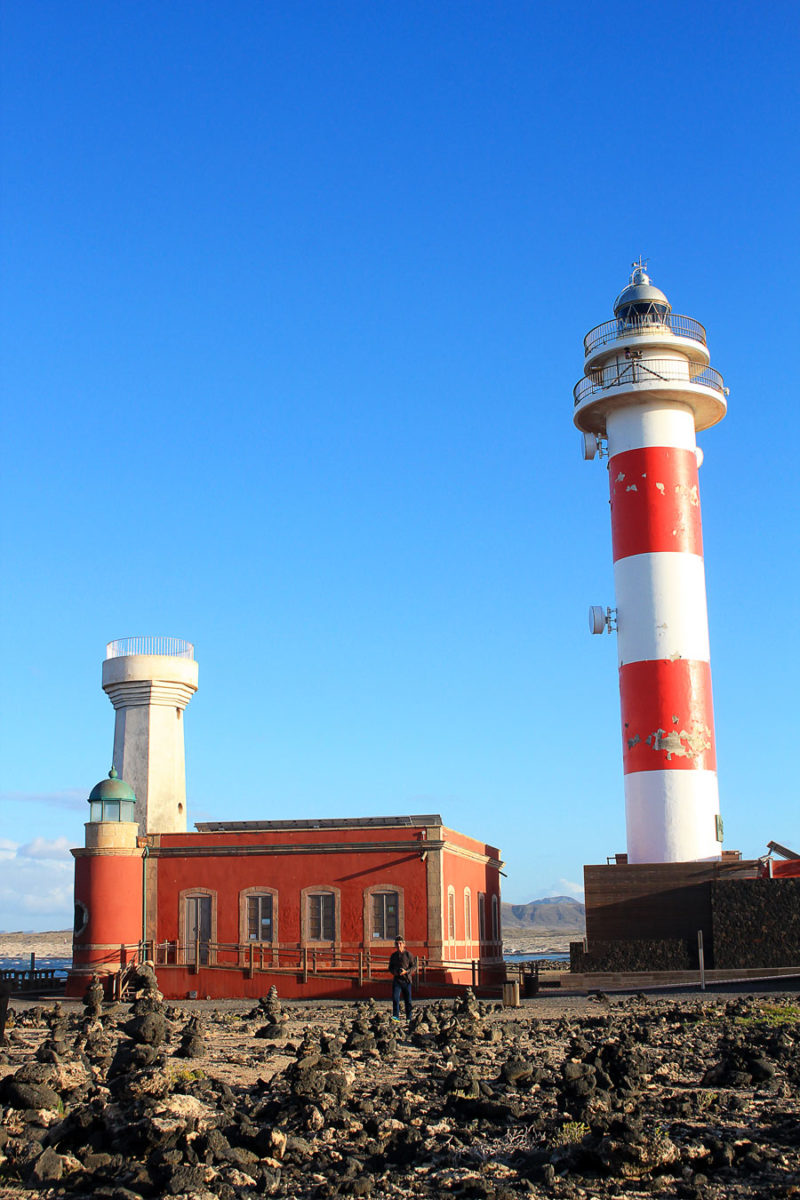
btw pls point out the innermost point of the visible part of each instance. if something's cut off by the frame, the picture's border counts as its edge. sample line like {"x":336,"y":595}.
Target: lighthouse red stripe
{"x":655,"y":503}
{"x":667,"y":716}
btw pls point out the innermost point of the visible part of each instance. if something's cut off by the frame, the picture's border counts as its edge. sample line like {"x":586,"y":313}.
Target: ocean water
{"x":520,"y":958}
{"x":22,"y":962}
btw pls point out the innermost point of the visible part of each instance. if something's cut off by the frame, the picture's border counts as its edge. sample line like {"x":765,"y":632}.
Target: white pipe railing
{"x":171,"y":647}
{"x":647,"y":373}
{"x":612,"y":331}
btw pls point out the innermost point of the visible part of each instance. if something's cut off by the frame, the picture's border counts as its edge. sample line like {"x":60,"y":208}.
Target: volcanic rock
{"x":93,"y":997}
{"x":193,"y":1039}
{"x":16,"y":1093}
{"x":47,"y":1169}
{"x":148,"y":1028}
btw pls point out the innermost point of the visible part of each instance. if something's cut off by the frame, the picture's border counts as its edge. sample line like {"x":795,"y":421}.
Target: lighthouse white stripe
{"x":653,"y":424}
{"x":661,"y":607}
{"x":670,"y":816}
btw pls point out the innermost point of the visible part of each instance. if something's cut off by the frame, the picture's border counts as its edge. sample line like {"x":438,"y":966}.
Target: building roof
{"x":326,"y":823}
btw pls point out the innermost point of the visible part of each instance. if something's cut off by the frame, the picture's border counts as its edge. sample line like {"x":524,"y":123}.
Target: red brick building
{"x":312,"y":906}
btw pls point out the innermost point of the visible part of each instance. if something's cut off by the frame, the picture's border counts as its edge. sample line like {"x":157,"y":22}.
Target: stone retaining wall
{"x":756,"y":923}
{"x":667,"y":954}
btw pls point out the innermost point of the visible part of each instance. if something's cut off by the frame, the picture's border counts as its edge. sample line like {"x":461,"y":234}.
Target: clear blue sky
{"x":293,"y":305}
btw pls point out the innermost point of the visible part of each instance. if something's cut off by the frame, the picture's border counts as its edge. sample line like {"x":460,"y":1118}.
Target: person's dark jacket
{"x":402,"y":964}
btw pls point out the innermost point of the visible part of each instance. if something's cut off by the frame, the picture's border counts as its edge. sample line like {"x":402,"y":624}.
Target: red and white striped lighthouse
{"x":647,"y":389}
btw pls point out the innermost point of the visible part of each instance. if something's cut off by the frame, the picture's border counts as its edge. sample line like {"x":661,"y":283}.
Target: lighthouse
{"x":150,"y":681}
{"x":646,"y":391}
{"x":109,"y":906}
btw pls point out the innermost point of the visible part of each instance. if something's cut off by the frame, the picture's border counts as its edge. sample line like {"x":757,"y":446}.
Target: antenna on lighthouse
{"x":602,"y":620}
{"x":593,"y":446}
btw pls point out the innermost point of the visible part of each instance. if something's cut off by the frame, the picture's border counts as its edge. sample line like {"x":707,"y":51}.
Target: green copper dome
{"x":112,"y":800}
{"x":112,"y":788}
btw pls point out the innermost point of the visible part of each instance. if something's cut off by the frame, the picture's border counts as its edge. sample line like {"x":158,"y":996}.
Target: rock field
{"x":685,"y":1096}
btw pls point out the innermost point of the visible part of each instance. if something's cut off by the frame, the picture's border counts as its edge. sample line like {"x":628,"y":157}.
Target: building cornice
{"x":409,"y":849}
{"x":461,"y":852}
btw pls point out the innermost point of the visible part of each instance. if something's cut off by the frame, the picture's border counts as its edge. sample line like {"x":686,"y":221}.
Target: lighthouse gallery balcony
{"x":168,"y":647}
{"x":612,"y":331}
{"x":648,"y":374}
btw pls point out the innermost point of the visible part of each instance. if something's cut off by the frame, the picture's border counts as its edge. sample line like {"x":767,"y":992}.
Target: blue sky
{"x":293,"y":305}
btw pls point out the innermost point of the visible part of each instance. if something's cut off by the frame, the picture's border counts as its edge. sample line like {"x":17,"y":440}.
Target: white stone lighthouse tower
{"x":647,"y":389}
{"x":150,"y":681}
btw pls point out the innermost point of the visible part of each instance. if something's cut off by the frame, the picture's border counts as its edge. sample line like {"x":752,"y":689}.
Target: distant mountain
{"x":551,"y":912}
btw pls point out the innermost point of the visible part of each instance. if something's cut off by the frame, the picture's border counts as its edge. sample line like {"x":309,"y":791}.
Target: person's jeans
{"x":401,"y":987}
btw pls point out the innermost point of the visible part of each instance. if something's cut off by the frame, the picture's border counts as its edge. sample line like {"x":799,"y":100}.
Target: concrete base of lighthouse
{"x":653,"y":917}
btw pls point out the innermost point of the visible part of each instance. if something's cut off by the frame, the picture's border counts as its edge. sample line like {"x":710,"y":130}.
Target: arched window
{"x":482,"y":916}
{"x":259,"y":918}
{"x":321,"y":917}
{"x":384,"y":913}
{"x":320,"y":914}
{"x":467,"y":915}
{"x":495,"y":919}
{"x":451,"y":914}
{"x":258,"y":915}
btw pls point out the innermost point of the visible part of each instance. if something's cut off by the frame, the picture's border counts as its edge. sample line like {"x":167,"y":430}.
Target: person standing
{"x":402,"y":966}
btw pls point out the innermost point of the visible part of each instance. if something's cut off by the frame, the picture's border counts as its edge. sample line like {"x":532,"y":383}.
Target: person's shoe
{"x":397,"y":1019}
